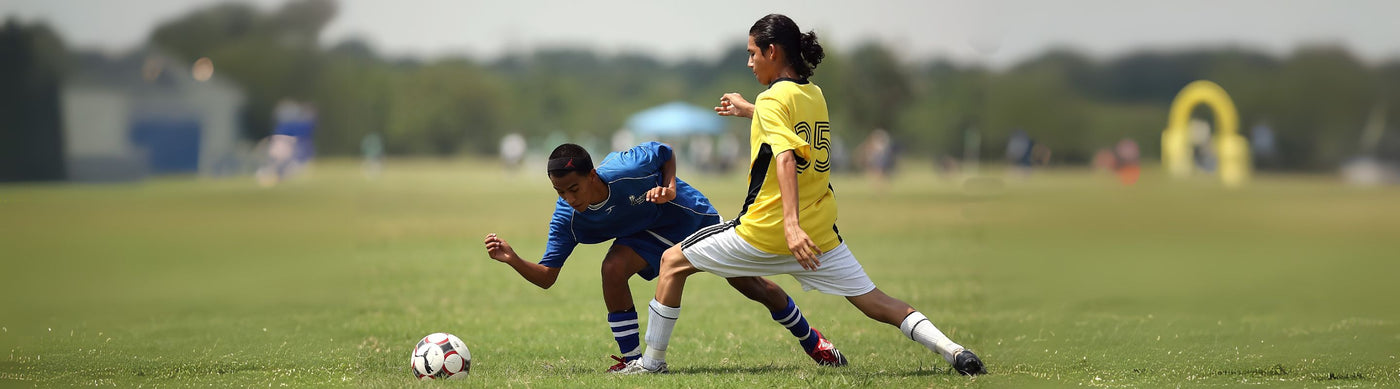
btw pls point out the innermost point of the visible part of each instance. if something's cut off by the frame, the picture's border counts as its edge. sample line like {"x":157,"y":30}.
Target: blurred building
{"x":145,"y":113}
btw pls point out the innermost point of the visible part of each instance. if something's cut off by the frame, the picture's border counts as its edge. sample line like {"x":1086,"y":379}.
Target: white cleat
{"x":636,"y":367}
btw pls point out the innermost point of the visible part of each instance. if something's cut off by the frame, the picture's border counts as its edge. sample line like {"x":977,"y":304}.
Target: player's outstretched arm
{"x":540,"y":275}
{"x":733,"y":104}
{"x":798,"y":242}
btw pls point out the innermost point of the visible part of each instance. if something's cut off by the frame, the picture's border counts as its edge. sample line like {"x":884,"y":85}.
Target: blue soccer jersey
{"x":646,"y":227}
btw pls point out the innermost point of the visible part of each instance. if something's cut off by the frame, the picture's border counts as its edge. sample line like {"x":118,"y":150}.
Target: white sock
{"x":660,"y":322}
{"x":917,"y":327}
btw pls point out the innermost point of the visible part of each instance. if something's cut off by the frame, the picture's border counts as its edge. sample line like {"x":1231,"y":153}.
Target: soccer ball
{"x":441,"y":355}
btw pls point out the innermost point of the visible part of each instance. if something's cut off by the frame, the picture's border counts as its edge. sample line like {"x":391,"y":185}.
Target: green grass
{"x":1061,"y":279}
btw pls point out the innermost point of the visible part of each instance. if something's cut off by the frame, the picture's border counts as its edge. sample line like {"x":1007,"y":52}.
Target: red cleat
{"x":825,"y":353}
{"x":621,"y":364}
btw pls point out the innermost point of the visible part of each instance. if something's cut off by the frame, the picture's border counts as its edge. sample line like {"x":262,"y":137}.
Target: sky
{"x":998,"y":33}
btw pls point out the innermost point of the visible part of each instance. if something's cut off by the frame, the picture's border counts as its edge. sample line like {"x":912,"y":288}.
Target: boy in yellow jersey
{"x":788,"y":222}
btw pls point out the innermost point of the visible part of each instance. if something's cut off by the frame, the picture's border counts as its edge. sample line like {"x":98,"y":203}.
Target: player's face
{"x":577,"y":189}
{"x":762,"y":63}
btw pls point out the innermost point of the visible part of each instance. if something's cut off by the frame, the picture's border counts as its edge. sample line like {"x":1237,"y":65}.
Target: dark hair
{"x":802,"y":50}
{"x":568,"y":158}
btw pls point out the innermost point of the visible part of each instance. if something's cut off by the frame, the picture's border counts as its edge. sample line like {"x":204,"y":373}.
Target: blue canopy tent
{"x":675,"y":119}
{"x":691,"y":128}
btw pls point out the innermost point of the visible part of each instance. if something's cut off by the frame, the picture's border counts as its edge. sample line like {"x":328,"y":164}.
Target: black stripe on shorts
{"x":708,"y":232}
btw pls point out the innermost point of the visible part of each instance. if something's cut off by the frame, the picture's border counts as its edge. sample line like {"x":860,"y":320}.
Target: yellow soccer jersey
{"x":790,"y":115}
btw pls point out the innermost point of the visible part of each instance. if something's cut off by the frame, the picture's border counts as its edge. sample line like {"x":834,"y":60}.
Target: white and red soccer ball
{"x":441,"y":356}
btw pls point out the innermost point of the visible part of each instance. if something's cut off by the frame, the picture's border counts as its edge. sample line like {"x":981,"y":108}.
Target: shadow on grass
{"x":1278,"y":370}
{"x":705,"y":370}
{"x":929,"y":372}
{"x":1271,"y":371}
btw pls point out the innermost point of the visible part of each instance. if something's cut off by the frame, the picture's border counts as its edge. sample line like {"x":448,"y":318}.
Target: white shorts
{"x":718,"y":249}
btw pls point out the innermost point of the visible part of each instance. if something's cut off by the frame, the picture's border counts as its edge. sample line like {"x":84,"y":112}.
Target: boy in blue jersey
{"x":634,"y":197}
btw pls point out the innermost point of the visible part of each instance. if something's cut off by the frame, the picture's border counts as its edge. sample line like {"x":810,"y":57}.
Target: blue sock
{"x":624,"y":330}
{"x":792,"y":319}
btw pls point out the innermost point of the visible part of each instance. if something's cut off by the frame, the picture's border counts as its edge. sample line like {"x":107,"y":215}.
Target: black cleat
{"x":967,"y":363}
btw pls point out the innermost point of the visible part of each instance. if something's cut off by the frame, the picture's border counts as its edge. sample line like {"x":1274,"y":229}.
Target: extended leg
{"x":879,"y":306}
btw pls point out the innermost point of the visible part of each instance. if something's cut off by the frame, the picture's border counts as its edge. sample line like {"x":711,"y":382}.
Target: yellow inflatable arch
{"x":1230,"y":148}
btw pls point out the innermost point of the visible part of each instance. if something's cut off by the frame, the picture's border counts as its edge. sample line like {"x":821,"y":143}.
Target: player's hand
{"x":803,"y":248}
{"x":498,"y":249}
{"x":661,"y":195}
{"x":733,"y":104}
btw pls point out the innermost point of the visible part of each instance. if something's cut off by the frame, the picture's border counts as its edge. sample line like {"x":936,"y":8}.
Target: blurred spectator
{"x":1040,"y":155}
{"x":513,"y":149}
{"x":1018,"y":149}
{"x":876,"y":155}
{"x":1104,"y":160}
{"x":279,"y":159}
{"x":297,"y":120}
{"x":290,"y":147}
{"x":1261,"y":138}
{"x":1126,"y":155}
{"x":1202,"y":148}
{"x":1122,"y":160}
{"x":702,"y":152}
{"x":1023,"y":153}
{"x":727,"y":152}
{"x":947,"y":167}
{"x":372,"y":149}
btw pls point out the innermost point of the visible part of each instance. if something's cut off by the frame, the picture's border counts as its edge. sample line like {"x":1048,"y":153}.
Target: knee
{"x":673,"y":255}
{"x":615,"y":269}
{"x":675,"y":265}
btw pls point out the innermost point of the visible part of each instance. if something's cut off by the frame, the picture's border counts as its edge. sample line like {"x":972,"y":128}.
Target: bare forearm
{"x":540,"y":275}
{"x":787,"y":187}
{"x":668,"y":173}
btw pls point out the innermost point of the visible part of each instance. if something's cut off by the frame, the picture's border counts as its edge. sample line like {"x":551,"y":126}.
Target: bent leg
{"x":665,"y":308}
{"x":670,"y":283}
{"x":784,"y":311}
{"x":761,"y":290}
{"x":619,"y":265}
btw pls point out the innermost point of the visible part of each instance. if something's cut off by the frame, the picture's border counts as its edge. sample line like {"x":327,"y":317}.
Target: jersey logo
{"x":610,"y":209}
{"x":636,"y":200}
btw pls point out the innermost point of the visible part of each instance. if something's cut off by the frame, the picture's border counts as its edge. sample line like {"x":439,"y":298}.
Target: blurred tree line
{"x":32,"y":62}
{"x":1317,"y":99}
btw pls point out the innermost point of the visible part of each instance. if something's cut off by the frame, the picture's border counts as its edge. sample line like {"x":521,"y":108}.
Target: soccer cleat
{"x":621,"y":363}
{"x":967,"y":363}
{"x":825,"y":353}
{"x":635,"y":367}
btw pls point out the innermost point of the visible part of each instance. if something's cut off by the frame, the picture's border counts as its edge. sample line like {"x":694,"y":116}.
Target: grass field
{"x":1061,"y":279}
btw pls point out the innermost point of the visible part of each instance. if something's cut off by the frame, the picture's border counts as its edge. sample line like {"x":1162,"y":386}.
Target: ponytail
{"x":811,"y":51}
{"x":802,"y":50}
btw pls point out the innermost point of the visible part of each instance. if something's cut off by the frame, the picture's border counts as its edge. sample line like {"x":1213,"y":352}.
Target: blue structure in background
{"x":170,"y":145}
{"x":676,"y":119}
{"x":144,"y":113}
